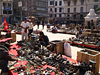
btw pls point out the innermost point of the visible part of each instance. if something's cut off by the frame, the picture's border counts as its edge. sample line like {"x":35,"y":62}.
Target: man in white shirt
{"x":25,"y":25}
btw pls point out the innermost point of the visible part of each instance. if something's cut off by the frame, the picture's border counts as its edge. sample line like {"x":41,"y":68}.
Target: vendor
{"x":5,"y":57}
{"x":43,"y":39}
{"x":54,"y":29}
{"x":67,"y":49}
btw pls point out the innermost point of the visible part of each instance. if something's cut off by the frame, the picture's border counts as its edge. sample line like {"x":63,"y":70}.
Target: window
{"x":81,"y":17}
{"x":59,"y":15}
{"x":55,"y":9}
{"x":9,"y":4}
{"x":4,"y":11}
{"x":96,"y":0}
{"x":81,"y":9}
{"x":50,"y":9}
{"x":69,"y":3}
{"x":74,"y":10}
{"x":60,"y":3}
{"x":55,"y":3}
{"x":68,"y":16}
{"x":4,"y":4}
{"x":55,"y":15}
{"x":51,"y":2}
{"x":74,"y":16}
{"x":75,"y":2}
{"x":50,"y":15}
{"x":95,"y":7}
{"x":68,"y":10}
{"x":82,"y":2}
{"x":60,"y":9}
{"x":9,"y":12}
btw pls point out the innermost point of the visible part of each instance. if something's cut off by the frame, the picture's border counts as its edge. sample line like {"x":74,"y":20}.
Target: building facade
{"x":76,"y":10}
{"x":39,"y":9}
{"x":6,"y":10}
{"x":56,"y":9}
{"x":71,"y":10}
{"x":31,"y":9}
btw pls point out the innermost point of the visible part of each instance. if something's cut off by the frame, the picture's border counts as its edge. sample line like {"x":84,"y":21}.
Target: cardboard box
{"x":59,"y":46}
{"x":89,"y":55}
{"x":13,"y":36}
{"x":72,"y":25}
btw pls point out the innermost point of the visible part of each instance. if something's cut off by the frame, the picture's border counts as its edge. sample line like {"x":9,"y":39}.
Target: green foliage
{"x":98,"y":9}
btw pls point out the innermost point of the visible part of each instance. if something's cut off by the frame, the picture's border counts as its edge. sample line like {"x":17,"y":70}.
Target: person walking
{"x":25,"y":25}
{"x":38,"y":23}
{"x":30,"y":27}
{"x":92,"y":24}
{"x":43,"y":23}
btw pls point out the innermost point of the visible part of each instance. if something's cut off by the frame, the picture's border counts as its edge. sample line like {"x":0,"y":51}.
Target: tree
{"x":98,"y":9}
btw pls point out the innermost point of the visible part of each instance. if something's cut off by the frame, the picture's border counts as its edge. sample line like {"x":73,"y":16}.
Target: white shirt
{"x":67,"y":49}
{"x":24,"y":25}
{"x":31,"y":25}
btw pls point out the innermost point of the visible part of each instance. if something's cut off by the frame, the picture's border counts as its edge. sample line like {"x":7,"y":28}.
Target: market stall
{"x":23,"y":64}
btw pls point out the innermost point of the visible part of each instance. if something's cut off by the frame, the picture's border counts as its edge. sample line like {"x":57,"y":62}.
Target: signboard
{"x":7,"y":8}
{"x":40,"y":14}
{"x":24,"y":8}
{"x":20,"y":4}
{"x":40,"y":9}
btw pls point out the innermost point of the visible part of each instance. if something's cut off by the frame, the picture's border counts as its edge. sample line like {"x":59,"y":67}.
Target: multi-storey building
{"x":19,"y":11}
{"x":71,"y":10}
{"x":76,"y":10}
{"x":40,"y":9}
{"x":56,"y":9}
{"x":31,"y":8}
{"x":6,"y":10}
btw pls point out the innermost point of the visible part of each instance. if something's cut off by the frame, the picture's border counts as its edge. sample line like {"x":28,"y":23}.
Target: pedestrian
{"x":38,"y":23}
{"x":92,"y":25}
{"x":77,"y":26}
{"x":80,"y":30}
{"x":30,"y":27}
{"x":25,"y":25}
{"x":43,"y":23}
{"x":48,"y":26}
{"x":5,"y":57}
{"x":98,"y":26}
